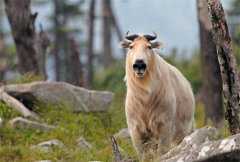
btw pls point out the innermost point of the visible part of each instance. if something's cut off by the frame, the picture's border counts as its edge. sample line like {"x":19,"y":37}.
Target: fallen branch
{"x":15,"y":104}
{"x":116,"y":152}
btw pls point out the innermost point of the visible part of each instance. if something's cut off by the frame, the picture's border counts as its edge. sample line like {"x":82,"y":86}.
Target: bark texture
{"x":227,"y":61}
{"x":43,"y":42}
{"x":90,"y":43}
{"x":106,"y":33}
{"x":60,"y":42}
{"x":23,"y":30}
{"x":212,"y":84}
{"x":75,"y":65}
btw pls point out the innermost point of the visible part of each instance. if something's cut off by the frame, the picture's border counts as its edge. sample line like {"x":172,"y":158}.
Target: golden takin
{"x":159,"y":102}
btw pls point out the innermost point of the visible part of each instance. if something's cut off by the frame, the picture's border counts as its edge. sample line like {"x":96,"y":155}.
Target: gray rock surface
{"x":48,"y":145}
{"x":201,"y":146}
{"x":22,"y":123}
{"x":79,"y":99}
{"x":83,"y":144}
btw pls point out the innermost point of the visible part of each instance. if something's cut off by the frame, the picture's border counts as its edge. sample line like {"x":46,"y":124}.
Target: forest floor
{"x":96,"y":128}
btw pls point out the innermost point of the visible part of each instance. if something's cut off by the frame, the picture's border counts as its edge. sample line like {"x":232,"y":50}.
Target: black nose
{"x":139,"y":65}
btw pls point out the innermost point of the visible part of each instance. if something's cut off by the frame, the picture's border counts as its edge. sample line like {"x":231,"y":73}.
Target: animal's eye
{"x":131,"y":46}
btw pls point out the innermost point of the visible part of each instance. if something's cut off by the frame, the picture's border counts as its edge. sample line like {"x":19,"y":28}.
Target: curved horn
{"x":131,"y":37}
{"x":151,"y":37}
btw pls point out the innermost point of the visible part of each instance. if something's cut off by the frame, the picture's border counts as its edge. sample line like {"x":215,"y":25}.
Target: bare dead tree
{"x":227,"y":61}
{"x":23,"y":30}
{"x":58,"y":34}
{"x":116,"y":26}
{"x":116,"y":152}
{"x":43,"y":43}
{"x":212,"y":84}
{"x":3,"y":57}
{"x":107,"y":33}
{"x":90,"y":43}
{"x":75,"y":66}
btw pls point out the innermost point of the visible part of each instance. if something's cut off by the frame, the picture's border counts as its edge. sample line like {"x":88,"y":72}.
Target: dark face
{"x":140,"y":52}
{"x":139,"y":67}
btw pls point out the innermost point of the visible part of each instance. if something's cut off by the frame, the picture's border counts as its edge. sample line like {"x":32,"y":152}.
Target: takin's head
{"x":140,"y":54}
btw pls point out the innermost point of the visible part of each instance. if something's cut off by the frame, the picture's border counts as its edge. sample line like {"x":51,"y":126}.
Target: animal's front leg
{"x":165,"y":137}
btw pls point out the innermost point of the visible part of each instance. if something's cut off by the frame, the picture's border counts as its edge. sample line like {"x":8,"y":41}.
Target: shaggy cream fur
{"x":160,"y":106}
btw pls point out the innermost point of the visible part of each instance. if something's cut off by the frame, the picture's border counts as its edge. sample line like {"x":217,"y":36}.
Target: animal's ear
{"x":156,"y":44}
{"x":125,"y":44}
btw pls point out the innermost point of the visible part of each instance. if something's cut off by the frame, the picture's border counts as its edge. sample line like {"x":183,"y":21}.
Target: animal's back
{"x":185,"y":103}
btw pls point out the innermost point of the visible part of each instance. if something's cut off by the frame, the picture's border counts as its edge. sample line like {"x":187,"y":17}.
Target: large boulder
{"x":23,"y":123}
{"x":77,"y":98}
{"x":202,"y":146}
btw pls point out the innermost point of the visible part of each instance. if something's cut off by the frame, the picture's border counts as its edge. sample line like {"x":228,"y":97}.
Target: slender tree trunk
{"x":23,"y":30}
{"x":212,"y":84}
{"x":227,"y":61}
{"x":43,"y":43}
{"x":107,"y":34}
{"x":57,"y":33}
{"x":3,"y":57}
{"x":75,"y":66}
{"x":90,"y":43}
{"x":116,"y":27}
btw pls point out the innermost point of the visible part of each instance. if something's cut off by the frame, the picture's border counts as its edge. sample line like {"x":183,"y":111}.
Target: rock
{"x":48,"y":145}
{"x":122,"y":134}
{"x":201,"y":146}
{"x":83,"y":144}
{"x":79,"y":99}
{"x":22,"y":123}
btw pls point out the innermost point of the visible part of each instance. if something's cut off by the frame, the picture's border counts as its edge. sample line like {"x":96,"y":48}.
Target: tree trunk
{"x":3,"y":55}
{"x":75,"y":66}
{"x":212,"y":84}
{"x":3,"y":58}
{"x":57,"y":37}
{"x":60,"y":41}
{"x":116,"y":27}
{"x":107,"y":35}
{"x":43,"y":43}
{"x":23,"y":30}
{"x":90,"y":43}
{"x":227,"y":61}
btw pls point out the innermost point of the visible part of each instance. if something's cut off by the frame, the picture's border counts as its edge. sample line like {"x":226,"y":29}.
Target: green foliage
{"x":95,"y":127}
{"x":190,"y":67}
{"x":26,"y":78}
{"x":7,"y":112}
{"x":235,"y":6}
{"x":111,"y":79}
